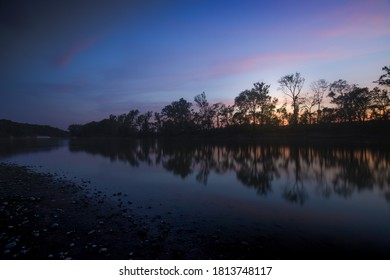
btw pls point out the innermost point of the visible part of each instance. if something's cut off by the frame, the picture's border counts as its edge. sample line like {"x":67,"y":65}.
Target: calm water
{"x":311,"y":197}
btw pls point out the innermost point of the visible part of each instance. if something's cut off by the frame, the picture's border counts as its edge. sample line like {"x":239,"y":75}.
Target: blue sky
{"x":65,"y":62}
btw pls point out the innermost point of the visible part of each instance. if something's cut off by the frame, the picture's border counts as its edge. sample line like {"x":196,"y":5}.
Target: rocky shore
{"x":47,"y":216}
{"x":43,"y":216}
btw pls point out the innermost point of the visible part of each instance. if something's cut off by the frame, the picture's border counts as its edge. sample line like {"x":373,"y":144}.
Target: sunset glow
{"x":82,"y":60}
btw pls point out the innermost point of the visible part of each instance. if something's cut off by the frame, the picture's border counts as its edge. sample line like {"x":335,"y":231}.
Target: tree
{"x":283,"y":116}
{"x":204,"y":117}
{"x":177,"y":116}
{"x":319,"y":88}
{"x":352,"y":101}
{"x":384,"y":80}
{"x":291,"y":85}
{"x":158,"y":121}
{"x":223,"y":114}
{"x":143,"y":123}
{"x":255,"y":105}
{"x":380,"y":104}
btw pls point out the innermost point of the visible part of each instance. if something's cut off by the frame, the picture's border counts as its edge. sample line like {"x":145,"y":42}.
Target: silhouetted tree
{"x":319,"y":88}
{"x":143,"y":123}
{"x":380,"y":104}
{"x":352,"y":102}
{"x":384,"y":80}
{"x":177,"y":117}
{"x":256,"y":105}
{"x":204,"y":117}
{"x":158,"y":122}
{"x":291,"y":85}
{"x":226,"y":115}
{"x":283,"y":115}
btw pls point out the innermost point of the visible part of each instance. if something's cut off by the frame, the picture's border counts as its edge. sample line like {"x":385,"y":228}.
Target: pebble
{"x":102,"y":250}
{"x":55,"y":225}
{"x":10,"y":245}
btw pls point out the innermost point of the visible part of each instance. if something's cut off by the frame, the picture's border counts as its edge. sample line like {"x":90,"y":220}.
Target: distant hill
{"x":9,"y":128}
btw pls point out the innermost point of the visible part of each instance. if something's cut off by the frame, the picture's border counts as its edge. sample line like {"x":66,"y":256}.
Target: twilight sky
{"x":64,"y":62}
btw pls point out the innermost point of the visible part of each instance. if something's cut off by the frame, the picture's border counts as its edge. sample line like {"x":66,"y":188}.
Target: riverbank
{"x":46,"y":217}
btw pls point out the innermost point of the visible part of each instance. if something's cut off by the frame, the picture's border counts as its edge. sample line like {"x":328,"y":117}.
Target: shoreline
{"x":45,"y":216}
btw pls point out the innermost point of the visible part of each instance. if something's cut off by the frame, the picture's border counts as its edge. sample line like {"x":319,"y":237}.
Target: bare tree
{"x":319,"y":88}
{"x":291,"y":85}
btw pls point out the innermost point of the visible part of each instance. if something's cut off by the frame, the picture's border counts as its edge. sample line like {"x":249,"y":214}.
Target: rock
{"x":10,"y":245}
{"x":55,"y":225}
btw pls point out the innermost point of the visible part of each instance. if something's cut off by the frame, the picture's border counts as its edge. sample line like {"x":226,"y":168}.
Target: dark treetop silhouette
{"x":255,"y":110}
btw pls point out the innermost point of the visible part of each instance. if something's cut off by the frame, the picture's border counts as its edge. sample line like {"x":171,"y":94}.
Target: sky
{"x":71,"y":62}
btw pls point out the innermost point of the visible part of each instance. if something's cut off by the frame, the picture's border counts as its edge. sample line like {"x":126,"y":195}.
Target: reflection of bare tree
{"x":295,"y":192}
{"x":205,"y":162}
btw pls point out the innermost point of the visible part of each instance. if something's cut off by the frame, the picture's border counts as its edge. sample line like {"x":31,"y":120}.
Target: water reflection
{"x":15,"y":146}
{"x":340,"y":171}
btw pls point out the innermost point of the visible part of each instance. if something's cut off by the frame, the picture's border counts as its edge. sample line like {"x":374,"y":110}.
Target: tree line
{"x":9,"y":128}
{"x":255,"y":107}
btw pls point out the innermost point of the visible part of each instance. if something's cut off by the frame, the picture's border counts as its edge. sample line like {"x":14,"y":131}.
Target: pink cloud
{"x":69,"y":55}
{"x":362,"y":19}
{"x":261,"y":61}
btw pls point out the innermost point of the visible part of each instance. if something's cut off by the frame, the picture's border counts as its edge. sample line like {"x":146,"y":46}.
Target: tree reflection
{"x":299,"y":170}
{"x":256,"y":167}
{"x":294,"y":190}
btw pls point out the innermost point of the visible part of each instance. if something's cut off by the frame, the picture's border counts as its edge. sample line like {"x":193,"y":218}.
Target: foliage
{"x":256,"y":105}
{"x":352,"y":101}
